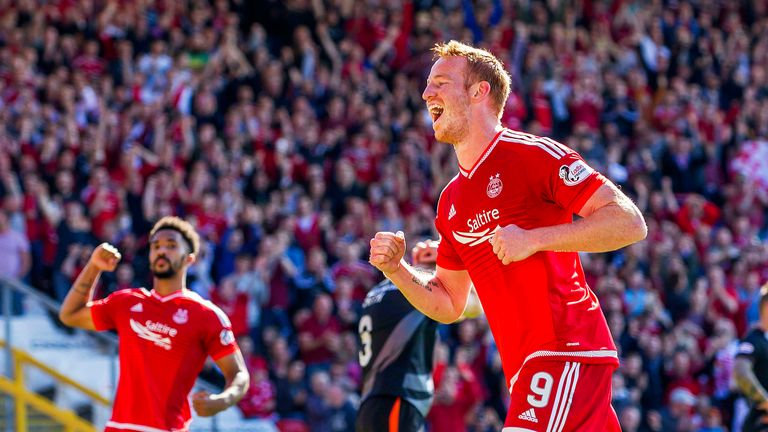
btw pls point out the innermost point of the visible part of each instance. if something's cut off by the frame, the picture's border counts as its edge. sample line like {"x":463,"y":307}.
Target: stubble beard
{"x":455,"y":129}
{"x":455,"y":133}
{"x":168,"y":273}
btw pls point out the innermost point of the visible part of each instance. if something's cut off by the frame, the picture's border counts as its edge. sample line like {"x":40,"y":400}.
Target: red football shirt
{"x":164,"y":342}
{"x":540,"y":306}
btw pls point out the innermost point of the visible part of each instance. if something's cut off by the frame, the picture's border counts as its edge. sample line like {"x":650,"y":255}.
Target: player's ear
{"x":191,"y":258}
{"x":485,"y":88}
{"x":480,"y":90}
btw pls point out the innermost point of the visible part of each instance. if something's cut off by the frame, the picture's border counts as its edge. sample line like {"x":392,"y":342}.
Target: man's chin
{"x":442,"y":130}
{"x":443,"y":137}
{"x":168,"y":274}
{"x":439,"y":133}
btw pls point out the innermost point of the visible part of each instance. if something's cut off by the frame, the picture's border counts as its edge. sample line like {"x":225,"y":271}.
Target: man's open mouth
{"x":436,"y":110}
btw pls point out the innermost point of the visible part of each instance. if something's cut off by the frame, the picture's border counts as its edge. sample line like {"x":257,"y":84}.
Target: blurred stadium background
{"x":291,"y":131}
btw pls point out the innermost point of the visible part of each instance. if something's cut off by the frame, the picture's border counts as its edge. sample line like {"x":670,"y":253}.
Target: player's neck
{"x":165,"y":287}
{"x":478,"y":138}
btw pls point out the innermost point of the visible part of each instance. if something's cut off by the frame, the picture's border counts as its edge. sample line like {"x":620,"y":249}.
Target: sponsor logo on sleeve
{"x":226,"y":337}
{"x":746,"y":348}
{"x":575,"y":173}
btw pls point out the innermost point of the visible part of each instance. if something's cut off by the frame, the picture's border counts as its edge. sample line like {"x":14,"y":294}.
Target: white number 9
{"x":541,"y":386}
{"x":364,"y":328}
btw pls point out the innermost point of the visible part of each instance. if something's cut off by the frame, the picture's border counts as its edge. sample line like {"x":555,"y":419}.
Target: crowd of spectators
{"x":289,"y":132}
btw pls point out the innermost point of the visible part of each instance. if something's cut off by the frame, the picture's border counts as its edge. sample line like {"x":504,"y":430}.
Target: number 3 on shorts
{"x":541,"y":386}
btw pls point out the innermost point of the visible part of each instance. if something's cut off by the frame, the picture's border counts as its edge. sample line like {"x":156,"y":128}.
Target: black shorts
{"x":388,"y":414}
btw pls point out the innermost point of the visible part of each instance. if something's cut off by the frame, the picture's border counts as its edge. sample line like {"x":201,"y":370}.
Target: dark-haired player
{"x":165,"y":334}
{"x":396,"y":352}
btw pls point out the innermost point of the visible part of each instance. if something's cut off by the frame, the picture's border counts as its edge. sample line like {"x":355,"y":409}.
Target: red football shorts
{"x":562,"y":396}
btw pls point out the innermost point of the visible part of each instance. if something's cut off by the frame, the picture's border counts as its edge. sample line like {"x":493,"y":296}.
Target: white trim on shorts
{"x":564,"y":397}
{"x":572,"y":354}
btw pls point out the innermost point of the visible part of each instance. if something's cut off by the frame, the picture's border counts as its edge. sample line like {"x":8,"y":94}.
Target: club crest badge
{"x":494,"y":186}
{"x":181,"y":316}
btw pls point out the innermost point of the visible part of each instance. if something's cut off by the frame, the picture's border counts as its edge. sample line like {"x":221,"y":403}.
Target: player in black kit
{"x":751,"y":369}
{"x":397,"y":344}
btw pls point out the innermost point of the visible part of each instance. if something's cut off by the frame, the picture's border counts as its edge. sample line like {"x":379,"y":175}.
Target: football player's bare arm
{"x":610,"y":220}
{"x":441,"y":295}
{"x":74,"y":310}
{"x":237,"y":382}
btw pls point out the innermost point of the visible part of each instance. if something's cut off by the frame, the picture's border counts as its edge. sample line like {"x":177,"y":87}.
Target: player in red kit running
{"x":165,"y":335}
{"x":506,"y":225}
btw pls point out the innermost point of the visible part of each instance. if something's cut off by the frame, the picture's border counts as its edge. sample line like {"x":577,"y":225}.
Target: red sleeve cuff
{"x":448,"y":264}
{"x":225,"y":351}
{"x":582,"y":198}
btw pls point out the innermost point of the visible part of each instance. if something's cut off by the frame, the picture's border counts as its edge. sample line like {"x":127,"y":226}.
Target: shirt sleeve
{"x":447,"y":257}
{"x":219,"y":338}
{"x":568,"y":180}
{"x":104,"y":311}
{"x":747,"y":347}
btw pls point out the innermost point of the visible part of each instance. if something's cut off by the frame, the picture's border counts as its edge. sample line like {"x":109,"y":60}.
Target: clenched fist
{"x":105,"y":257}
{"x":206,"y":404}
{"x":512,"y":243}
{"x":387,"y":249}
